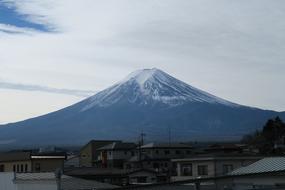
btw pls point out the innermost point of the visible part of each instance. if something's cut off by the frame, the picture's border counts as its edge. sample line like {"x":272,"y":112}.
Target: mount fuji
{"x":148,"y":101}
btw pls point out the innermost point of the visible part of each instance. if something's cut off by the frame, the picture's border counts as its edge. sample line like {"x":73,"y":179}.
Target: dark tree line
{"x":265,"y":140}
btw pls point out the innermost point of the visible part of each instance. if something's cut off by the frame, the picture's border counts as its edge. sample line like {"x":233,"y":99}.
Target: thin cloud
{"x":28,"y":87}
{"x":10,"y":29}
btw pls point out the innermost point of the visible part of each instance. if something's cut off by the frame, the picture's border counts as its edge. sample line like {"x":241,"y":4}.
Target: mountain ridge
{"x":147,"y":100}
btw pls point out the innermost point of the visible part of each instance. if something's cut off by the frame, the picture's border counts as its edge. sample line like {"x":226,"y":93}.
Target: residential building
{"x":145,"y":176}
{"x":89,"y":154}
{"x":117,"y":176}
{"x":115,"y":154}
{"x":268,"y":173}
{"x":31,"y":162}
{"x":207,"y":166}
{"x":166,"y":150}
{"x":157,"y":156}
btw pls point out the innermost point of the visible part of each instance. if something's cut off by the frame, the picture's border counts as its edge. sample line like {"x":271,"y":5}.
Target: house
{"x":115,"y":154}
{"x":266,"y":173}
{"x":166,"y":150}
{"x":117,"y":176}
{"x":89,"y":154}
{"x":207,"y":166}
{"x":47,"y":181}
{"x":145,"y":176}
{"x":31,"y":162}
{"x":157,"y":156}
{"x":226,"y":148}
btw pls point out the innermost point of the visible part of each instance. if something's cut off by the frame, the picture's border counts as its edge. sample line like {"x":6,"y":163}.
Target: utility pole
{"x":58,"y":174}
{"x":141,"y":143}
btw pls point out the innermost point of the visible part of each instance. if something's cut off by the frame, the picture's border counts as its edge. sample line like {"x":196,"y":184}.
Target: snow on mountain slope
{"x":149,"y":86}
{"x":147,"y":100}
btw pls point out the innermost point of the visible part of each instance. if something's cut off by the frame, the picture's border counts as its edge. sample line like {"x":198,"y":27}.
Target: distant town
{"x":256,"y":162}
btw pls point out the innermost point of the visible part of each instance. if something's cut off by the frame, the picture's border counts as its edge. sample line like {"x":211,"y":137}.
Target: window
{"x":202,"y":170}
{"x":157,"y":152}
{"x":18,"y":168}
{"x":177,"y":152}
{"x":166,"y":152}
{"x":188,"y":152}
{"x":22,"y":168}
{"x":2,"y":168}
{"x":187,"y":170}
{"x":142,"y":179}
{"x":126,"y":153}
{"x":128,"y":166}
{"x":38,"y":167}
{"x":155,"y":165}
{"x":14,"y":168}
{"x":227,"y":168}
{"x":26,"y":167}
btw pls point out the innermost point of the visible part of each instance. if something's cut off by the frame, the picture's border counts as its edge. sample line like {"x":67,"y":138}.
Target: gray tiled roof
{"x":118,"y":146}
{"x":85,"y":171}
{"x":165,"y":145}
{"x":266,"y":165}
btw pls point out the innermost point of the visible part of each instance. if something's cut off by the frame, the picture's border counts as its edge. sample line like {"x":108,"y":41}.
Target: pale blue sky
{"x":56,"y":52}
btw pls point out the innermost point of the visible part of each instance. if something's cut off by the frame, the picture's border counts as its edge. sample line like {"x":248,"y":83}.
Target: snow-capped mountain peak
{"x":141,"y":76}
{"x":151,"y":86}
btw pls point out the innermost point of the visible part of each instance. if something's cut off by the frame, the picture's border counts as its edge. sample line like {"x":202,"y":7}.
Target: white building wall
{"x":6,"y":181}
{"x":38,"y":185}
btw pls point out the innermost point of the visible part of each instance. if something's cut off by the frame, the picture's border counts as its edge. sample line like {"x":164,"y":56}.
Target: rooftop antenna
{"x":142,"y":138}
{"x":169,"y":135}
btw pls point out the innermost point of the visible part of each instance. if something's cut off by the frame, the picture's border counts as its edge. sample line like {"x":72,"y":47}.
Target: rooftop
{"x":67,"y":182}
{"x":203,"y":157}
{"x":118,"y":146}
{"x":266,"y":165}
{"x":21,"y":156}
{"x":165,"y":145}
{"x":94,"y":171}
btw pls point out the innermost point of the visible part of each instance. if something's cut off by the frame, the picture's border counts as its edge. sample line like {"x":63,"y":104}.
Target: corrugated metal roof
{"x":72,"y":183}
{"x":85,"y":171}
{"x":35,"y":176}
{"x":67,"y":182}
{"x":266,"y":165}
